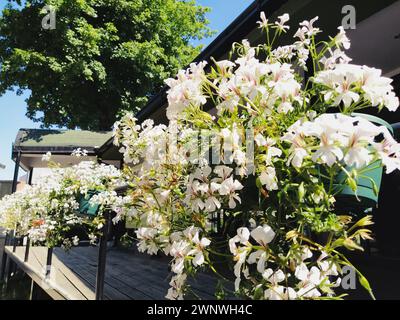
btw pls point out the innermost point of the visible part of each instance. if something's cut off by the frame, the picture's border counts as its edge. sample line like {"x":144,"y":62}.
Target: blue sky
{"x":13,"y":107}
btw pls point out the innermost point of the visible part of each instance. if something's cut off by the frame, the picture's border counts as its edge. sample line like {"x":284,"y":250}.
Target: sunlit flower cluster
{"x":309,"y":279}
{"x":249,"y":193}
{"x":260,"y":173}
{"x":48,"y":210}
{"x":208,"y":193}
{"x":335,"y":138}
{"x":354,"y":85}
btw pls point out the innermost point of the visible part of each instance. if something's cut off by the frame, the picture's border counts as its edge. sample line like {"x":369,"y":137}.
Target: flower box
{"x":367,"y":196}
{"x":85,"y":207}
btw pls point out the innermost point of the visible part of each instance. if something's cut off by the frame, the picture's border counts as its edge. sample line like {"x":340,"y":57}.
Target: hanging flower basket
{"x":85,"y":207}
{"x":368,"y":183}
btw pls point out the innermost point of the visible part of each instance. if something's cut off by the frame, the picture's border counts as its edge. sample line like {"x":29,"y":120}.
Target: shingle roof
{"x":58,"y":140}
{"x":31,"y":144}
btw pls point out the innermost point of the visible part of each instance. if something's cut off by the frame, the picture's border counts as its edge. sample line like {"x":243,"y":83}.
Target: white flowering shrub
{"x":48,"y":210}
{"x":264,"y":170}
{"x":252,"y":194}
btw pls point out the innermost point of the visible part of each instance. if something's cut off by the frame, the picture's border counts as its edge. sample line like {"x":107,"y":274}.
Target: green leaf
{"x":364,"y":282}
{"x":352,"y":183}
{"x":301,"y":192}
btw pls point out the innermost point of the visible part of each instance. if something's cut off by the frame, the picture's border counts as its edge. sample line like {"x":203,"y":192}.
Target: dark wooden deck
{"x":129,"y":274}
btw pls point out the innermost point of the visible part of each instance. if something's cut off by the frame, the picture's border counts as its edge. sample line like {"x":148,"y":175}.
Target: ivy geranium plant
{"x":246,"y":180}
{"x":243,"y":180}
{"x":48,"y":211}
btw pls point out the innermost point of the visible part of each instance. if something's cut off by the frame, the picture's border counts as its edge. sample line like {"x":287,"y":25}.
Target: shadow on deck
{"x":129,"y":274}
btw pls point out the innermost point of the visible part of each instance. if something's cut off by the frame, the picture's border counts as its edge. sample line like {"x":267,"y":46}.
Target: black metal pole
{"x":48,"y":262}
{"x":8,"y":239}
{"x":101,"y":262}
{"x":8,"y":265}
{"x":16,"y":170}
{"x":15,"y":240}
{"x":4,"y":258}
{"x":32,"y":290}
{"x":28,"y":245}
{"x":30,"y":176}
{"x":28,"y":241}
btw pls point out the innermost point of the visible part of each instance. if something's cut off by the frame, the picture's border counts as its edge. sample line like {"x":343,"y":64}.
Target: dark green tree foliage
{"x":104,"y":56}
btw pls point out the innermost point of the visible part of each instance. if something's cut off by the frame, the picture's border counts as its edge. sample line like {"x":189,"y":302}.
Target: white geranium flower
{"x":228,"y":188}
{"x":327,"y":153}
{"x":75,"y":240}
{"x":327,"y":129}
{"x":179,"y":250}
{"x":268,"y":178}
{"x":391,"y":101}
{"x":388,"y":151}
{"x":263,"y":235}
{"x":274,"y":277}
{"x":242,"y":236}
{"x":198,"y":251}
{"x":211,"y":204}
{"x":284,"y":52}
{"x":304,"y":274}
{"x":79,"y":153}
{"x":276,"y":291}
{"x":297,"y":156}
{"x":190,"y":233}
{"x":259,"y":257}
{"x":308,"y":291}
{"x":297,"y":150}
{"x":264,"y":21}
{"x":378,"y":89}
{"x":240,"y":259}
{"x":328,"y":268}
{"x":225,"y":67}
{"x":240,"y":253}
{"x":247,"y":78}
{"x":335,"y":57}
{"x":47,"y":156}
{"x":306,"y":30}
{"x":223,"y":171}
{"x":306,"y":253}
{"x":358,"y":156}
{"x":260,"y":140}
{"x":340,"y":80}
{"x":177,"y":283}
{"x":92,"y":238}
{"x":281,"y":23}
{"x":185,"y":90}
{"x":341,"y":40}
{"x":310,"y":280}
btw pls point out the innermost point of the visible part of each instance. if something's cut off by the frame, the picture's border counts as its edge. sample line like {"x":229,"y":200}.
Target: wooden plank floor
{"x":129,"y":274}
